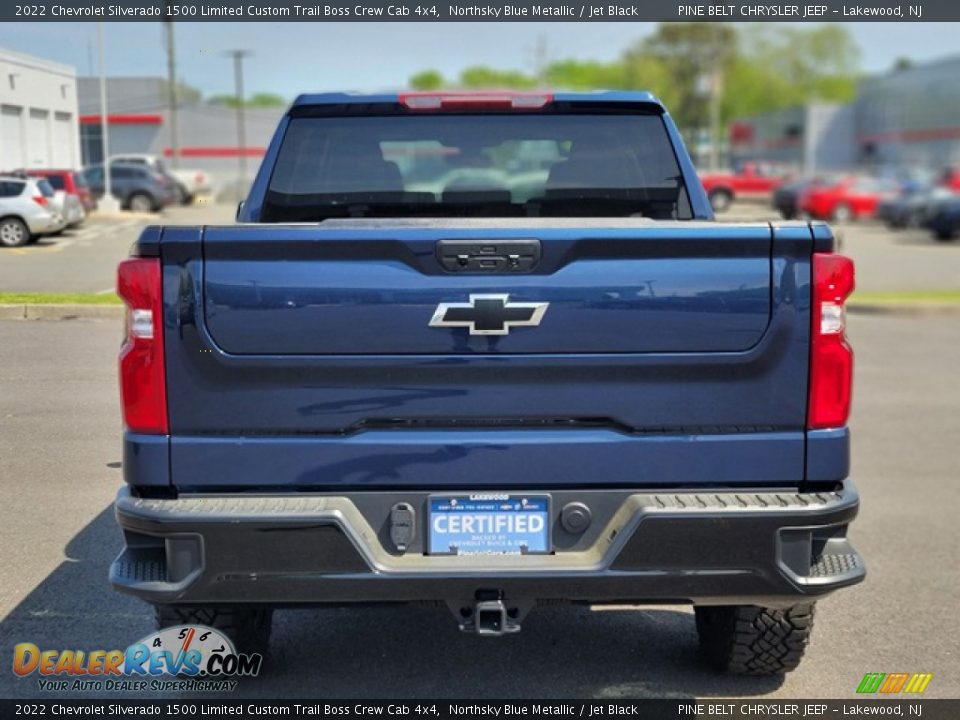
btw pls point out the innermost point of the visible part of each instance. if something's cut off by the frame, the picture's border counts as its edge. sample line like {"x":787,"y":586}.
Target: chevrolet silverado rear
{"x":486,"y":351}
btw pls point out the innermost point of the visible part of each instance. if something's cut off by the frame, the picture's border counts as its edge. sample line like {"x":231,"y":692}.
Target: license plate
{"x":489,"y":524}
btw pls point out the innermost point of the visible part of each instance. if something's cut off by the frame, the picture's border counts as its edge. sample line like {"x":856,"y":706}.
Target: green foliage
{"x":478,"y":77}
{"x":427,"y":80}
{"x":257,"y":100}
{"x":755,"y":68}
{"x":696,"y":57}
{"x":40,"y":298}
{"x":902,"y":63}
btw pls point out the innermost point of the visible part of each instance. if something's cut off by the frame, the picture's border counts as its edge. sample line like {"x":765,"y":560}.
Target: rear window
{"x":46,"y":189}
{"x":56,"y":181}
{"x":519,"y":165}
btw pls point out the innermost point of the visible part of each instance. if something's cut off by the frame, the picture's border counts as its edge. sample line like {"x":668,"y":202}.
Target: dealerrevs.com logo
{"x":200,"y":657}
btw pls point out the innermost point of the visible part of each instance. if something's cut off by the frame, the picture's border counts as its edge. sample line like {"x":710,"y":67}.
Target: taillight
{"x":831,"y":358}
{"x":142,"y":373}
{"x":475,"y":101}
{"x":40,"y":200}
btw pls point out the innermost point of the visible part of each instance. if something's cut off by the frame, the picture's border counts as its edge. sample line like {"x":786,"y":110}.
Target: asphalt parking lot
{"x":60,"y":468}
{"x":887,"y":260}
{"x":85,"y":259}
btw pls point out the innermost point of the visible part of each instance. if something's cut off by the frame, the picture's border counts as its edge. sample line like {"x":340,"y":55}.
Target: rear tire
{"x":945,"y":235}
{"x":842,"y":213}
{"x":748,"y":640}
{"x":720,"y":200}
{"x":141,"y":203}
{"x":249,"y":628}
{"x":13,"y":232}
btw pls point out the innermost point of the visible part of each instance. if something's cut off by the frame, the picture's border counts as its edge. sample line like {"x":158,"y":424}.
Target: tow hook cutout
{"x":490,"y":617}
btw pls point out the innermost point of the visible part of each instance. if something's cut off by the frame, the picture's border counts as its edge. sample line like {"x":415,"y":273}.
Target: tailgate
{"x":666,"y":353}
{"x":304,"y":291}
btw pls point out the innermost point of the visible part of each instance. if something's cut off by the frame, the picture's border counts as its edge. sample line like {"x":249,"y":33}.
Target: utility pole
{"x":540,"y":55}
{"x":238,"y":56}
{"x":107,"y":203}
{"x":174,"y":94}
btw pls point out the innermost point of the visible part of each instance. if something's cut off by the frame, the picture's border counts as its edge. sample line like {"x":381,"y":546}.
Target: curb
{"x":59,"y":312}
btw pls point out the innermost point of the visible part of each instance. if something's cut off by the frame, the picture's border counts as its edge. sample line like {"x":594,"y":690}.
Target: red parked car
{"x":849,"y":198}
{"x":753,"y":181}
{"x":951,"y":179}
{"x":71,"y":182}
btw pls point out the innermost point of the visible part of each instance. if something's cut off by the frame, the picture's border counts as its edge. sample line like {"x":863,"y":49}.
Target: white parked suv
{"x":27,"y":210}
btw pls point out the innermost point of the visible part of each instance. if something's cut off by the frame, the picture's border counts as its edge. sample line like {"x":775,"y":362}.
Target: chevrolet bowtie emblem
{"x":488,"y":314}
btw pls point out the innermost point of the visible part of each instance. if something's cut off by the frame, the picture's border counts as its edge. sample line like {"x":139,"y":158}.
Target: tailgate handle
{"x":488,"y":256}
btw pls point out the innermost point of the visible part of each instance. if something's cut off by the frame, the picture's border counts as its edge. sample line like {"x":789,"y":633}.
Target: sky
{"x":290,"y":58}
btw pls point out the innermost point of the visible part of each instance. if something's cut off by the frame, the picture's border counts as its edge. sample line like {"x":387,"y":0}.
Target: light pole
{"x":238,"y":56}
{"x":107,"y":203}
{"x":173,"y":95}
{"x":716,"y":94}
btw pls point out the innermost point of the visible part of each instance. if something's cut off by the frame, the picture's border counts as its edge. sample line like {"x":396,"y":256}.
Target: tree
{"x":817,"y":63}
{"x":481,"y":77}
{"x":763,"y":68}
{"x":902,"y":63}
{"x":427,"y":80}
{"x":692,"y":56}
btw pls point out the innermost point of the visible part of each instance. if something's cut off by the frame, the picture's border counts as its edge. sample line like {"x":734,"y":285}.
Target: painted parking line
{"x":57,"y":246}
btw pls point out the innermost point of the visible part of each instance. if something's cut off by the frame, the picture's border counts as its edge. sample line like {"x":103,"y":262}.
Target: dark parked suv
{"x":136,"y":187}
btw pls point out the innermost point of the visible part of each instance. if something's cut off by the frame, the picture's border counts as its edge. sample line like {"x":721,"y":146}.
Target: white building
{"x":38,"y":113}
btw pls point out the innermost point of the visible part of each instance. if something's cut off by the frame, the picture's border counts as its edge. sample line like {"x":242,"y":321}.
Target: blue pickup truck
{"x":484,"y":351}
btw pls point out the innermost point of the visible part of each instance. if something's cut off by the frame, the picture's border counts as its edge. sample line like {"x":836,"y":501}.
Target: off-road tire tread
{"x":748,"y":640}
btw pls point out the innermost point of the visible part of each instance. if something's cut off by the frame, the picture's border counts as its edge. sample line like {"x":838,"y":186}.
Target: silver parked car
{"x":27,"y":210}
{"x":69,"y":207}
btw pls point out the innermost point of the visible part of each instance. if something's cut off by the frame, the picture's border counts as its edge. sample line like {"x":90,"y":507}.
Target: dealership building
{"x":903,"y":118}
{"x":138,"y":117}
{"x":816,"y":137}
{"x":38,"y":113}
